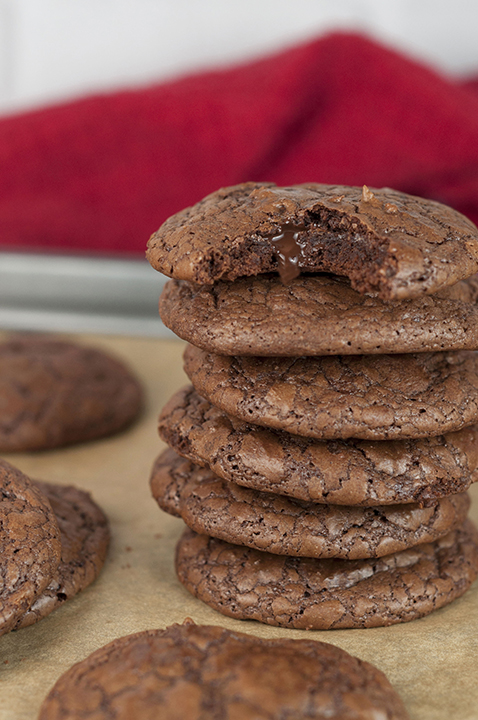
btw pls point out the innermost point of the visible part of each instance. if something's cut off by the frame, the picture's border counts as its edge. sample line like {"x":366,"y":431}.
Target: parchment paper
{"x":433,"y":662}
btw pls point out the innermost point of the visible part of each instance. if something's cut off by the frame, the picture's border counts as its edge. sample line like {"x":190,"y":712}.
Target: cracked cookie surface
{"x":84,"y":536}
{"x":342,"y":472}
{"x":29,"y":545}
{"x":283,"y":526}
{"x":317,"y":315}
{"x":373,"y":397}
{"x":210,"y":673}
{"x":385,"y":241}
{"x":55,"y":393}
{"x":328,"y":594}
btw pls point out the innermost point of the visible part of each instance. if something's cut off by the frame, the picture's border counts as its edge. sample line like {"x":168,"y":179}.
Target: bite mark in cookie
{"x":385,"y":241}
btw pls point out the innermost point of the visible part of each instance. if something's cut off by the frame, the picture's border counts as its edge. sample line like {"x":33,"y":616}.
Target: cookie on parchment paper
{"x":30,"y":545}
{"x":55,"y":393}
{"x":198,"y":672}
{"x":84,"y":534}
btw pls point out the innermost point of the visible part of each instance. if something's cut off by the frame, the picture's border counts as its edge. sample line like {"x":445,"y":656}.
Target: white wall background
{"x":52,"y":50}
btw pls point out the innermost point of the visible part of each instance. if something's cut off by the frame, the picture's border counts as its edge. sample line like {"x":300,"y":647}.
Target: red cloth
{"x":104,"y":172}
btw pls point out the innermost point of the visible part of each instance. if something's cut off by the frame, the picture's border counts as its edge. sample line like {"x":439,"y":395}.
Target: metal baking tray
{"x":80,"y":293}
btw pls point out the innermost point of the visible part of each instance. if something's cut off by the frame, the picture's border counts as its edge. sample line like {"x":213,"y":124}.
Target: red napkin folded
{"x":104,"y":172}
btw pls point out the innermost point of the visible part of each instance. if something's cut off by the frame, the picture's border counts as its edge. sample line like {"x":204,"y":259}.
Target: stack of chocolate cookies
{"x":322,"y":454}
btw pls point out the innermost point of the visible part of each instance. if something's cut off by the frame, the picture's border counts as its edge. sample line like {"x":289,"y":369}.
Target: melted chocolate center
{"x":288,"y":250}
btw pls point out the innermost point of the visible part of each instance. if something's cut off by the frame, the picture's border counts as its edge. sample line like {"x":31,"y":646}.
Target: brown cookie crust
{"x":372,"y":397}
{"x":328,"y":594}
{"x":55,"y":393}
{"x":29,"y":545}
{"x":385,"y":241}
{"x":283,"y":526}
{"x":198,"y":672}
{"x":84,"y":543}
{"x":351,"y":472}
{"x":317,"y":315}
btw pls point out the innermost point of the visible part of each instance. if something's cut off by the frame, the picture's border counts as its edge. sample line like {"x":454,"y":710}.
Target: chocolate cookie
{"x":317,"y":315}
{"x":84,"y":543}
{"x":204,"y":672}
{"x":29,"y":545}
{"x":375,"y":397}
{"x":55,"y":393}
{"x":385,"y":241}
{"x":350,"y":472}
{"x":284,"y":526}
{"x":328,"y":594}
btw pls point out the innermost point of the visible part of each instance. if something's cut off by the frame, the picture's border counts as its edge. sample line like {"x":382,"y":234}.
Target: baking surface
{"x":431,"y":662}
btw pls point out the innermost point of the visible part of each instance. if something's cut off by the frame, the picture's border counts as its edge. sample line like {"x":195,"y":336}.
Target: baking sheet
{"x":432,"y":662}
